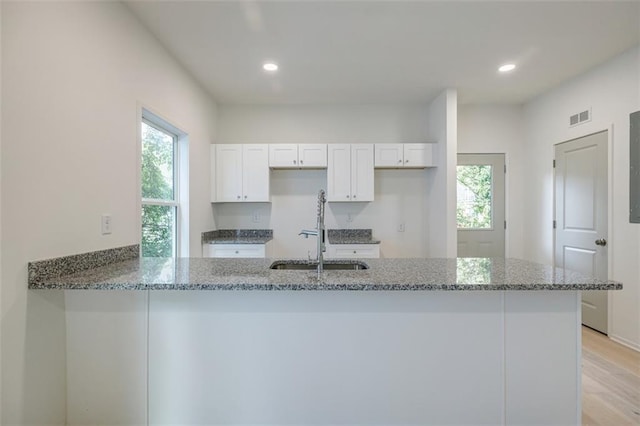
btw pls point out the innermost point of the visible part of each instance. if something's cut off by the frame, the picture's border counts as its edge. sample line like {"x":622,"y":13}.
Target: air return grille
{"x":580,"y":118}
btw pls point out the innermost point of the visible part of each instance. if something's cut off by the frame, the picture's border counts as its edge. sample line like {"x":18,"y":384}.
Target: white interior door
{"x":581,"y":217}
{"x":480,"y":208}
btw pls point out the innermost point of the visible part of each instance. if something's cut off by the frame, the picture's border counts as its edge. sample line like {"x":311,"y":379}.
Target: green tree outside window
{"x":474,"y":184}
{"x":159,"y":208}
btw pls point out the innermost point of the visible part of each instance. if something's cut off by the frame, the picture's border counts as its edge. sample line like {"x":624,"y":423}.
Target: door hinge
{"x":554,"y":164}
{"x":505,"y":224}
{"x":554,"y":224}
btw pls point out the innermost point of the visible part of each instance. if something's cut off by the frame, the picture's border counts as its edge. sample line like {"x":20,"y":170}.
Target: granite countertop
{"x":237,"y":236}
{"x":254,"y":274}
{"x":351,"y":236}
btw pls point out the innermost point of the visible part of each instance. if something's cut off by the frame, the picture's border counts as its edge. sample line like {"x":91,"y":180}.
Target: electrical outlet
{"x":255,"y":217}
{"x":401,"y":227}
{"x":106,"y":224}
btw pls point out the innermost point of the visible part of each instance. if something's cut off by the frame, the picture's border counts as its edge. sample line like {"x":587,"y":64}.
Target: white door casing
{"x":581,"y":217}
{"x":486,"y":242}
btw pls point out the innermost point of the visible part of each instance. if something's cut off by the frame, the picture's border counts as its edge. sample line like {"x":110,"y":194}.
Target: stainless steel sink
{"x":345,"y":265}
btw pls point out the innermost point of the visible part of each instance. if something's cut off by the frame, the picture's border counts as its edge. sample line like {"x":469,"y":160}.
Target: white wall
{"x":400,"y":195}
{"x":321,"y":123}
{"x":1,"y":305}
{"x":73,"y":77}
{"x":441,"y":190}
{"x":613,"y":92}
{"x":491,"y":129}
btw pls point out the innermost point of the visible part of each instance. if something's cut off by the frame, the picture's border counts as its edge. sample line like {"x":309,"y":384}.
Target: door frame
{"x":507,"y":245}
{"x":610,"y":185}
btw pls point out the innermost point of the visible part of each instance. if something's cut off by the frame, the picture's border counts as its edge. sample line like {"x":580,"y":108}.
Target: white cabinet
{"x":404,"y":155}
{"x":353,"y":251}
{"x":350,"y":172}
{"x":313,"y":155}
{"x":294,"y":156}
{"x":241,"y":173}
{"x":234,"y":250}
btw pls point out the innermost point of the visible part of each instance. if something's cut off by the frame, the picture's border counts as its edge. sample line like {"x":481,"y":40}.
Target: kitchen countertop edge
{"x":383,"y":275}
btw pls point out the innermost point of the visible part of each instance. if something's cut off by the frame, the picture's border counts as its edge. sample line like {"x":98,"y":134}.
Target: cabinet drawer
{"x":234,"y":250}
{"x":354,"y":251}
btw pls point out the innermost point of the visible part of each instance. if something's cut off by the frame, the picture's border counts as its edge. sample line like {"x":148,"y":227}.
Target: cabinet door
{"x":418,"y":155}
{"x":212,"y":173}
{"x":283,"y":155}
{"x":228,"y":173}
{"x":255,"y":172}
{"x":362,"y":172}
{"x":339,"y":172}
{"x":312,"y":155}
{"x":389,"y":155}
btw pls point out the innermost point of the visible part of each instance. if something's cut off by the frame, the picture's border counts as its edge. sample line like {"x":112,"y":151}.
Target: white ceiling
{"x":388,"y":51}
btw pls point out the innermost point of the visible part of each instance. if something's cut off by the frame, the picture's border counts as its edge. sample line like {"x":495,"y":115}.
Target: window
{"x":474,"y":187}
{"x":160,"y":195}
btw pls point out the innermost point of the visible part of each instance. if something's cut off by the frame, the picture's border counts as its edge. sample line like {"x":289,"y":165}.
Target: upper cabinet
{"x":294,"y":156}
{"x":241,"y":173}
{"x":350,"y":172}
{"x":404,"y":155}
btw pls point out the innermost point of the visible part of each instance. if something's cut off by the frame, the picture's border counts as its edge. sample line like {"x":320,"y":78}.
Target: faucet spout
{"x":307,"y":232}
{"x":322,"y":199}
{"x":318,"y":232}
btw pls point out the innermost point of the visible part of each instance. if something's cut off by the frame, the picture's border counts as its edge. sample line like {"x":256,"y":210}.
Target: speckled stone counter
{"x":383,"y":274}
{"x":351,"y":236}
{"x":237,"y":236}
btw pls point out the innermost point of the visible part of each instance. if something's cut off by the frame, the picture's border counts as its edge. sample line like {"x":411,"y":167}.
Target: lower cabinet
{"x":234,"y":250}
{"x":353,"y":251}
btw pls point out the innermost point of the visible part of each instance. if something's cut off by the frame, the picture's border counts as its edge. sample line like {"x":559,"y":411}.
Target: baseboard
{"x":624,"y":342}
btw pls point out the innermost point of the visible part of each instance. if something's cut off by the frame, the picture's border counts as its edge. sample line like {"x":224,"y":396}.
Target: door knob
{"x":601,"y":242}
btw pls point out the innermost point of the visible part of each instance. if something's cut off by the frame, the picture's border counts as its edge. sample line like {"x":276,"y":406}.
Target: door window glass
{"x":474,"y":187}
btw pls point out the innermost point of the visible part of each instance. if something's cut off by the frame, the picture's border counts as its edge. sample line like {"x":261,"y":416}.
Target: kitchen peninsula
{"x":407,"y":341}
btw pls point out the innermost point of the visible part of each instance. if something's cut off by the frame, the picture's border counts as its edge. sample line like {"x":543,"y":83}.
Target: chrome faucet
{"x":319,"y":231}
{"x":307,"y":232}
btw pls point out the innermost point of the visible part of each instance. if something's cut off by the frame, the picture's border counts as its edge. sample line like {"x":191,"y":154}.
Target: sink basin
{"x":332,"y":265}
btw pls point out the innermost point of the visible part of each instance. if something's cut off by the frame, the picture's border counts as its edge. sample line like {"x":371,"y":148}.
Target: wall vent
{"x":579,"y":118}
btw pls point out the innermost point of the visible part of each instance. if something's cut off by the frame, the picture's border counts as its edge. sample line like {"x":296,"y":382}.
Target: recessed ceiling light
{"x":270,"y":66}
{"x":507,"y":68}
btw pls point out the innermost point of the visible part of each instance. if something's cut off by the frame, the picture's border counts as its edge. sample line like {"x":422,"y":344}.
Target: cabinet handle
{"x":399,"y":161}
{"x":245,"y":197}
{"x":406,"y":161}
{"x":238,"y":197}
{"x":354,"y":196}
{"x":354,"y":252}
{"x":294,"y":161}
{"x":347,"y":196}
{"x":300,"y":161}
{"x":237,"y":252}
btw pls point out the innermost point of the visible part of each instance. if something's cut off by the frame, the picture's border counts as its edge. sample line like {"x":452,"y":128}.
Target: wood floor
{"x":610,"y":382}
